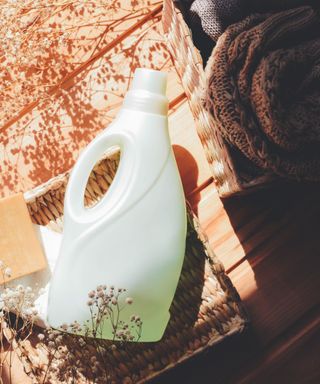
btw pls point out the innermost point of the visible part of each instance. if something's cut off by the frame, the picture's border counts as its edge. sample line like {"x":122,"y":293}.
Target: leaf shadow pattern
{"x":50,"y":109}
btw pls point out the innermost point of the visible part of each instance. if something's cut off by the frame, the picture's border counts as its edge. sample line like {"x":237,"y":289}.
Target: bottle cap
{"x":149,"y":80}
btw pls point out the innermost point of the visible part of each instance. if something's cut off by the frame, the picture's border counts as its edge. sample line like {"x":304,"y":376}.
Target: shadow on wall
{"x":56,"y":101}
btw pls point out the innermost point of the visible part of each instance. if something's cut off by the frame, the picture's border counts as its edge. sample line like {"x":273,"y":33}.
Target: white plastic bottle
{"x":134,"y":238}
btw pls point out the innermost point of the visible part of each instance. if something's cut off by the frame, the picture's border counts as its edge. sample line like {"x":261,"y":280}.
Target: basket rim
{"x":236,"y":321}
{"x":186,"y":57}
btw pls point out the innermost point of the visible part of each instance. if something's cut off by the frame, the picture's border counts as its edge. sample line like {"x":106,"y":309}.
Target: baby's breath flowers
{"x":105,"y":307}
{"x":74,"y":352}
{"x":87,"y":356}
{"x":5,"y":271}
{"x":8,"y":272}
{"x":17,"y":315}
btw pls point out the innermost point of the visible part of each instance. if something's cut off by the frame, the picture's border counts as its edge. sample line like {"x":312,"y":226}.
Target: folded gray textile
{"x":264,"y":91}
{"x":214,"y":16}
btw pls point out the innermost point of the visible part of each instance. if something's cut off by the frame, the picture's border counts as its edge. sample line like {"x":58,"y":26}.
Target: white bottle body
{"x":134,"y":238}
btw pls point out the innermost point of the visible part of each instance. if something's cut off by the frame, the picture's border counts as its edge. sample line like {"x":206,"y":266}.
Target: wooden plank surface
{"x":268,"y":242}
{"x":190,"y":157}
{"x":292,"y":357}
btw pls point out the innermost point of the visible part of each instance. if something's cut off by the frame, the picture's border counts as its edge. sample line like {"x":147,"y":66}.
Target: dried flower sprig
{"x":67,"y":357}
{"x":104,"y":305}
{"x":17,"y":315}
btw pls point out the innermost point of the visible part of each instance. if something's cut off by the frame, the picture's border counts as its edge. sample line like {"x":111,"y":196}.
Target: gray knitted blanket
{"x":214,"y":16}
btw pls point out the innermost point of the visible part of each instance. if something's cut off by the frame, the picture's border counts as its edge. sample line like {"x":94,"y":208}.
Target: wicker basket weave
{"x":206,"y":308}
{"x":227,"y":176}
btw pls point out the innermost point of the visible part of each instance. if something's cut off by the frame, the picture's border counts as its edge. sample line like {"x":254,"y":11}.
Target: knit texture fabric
{"x":264,"y":91}
{"x":214,"y":16}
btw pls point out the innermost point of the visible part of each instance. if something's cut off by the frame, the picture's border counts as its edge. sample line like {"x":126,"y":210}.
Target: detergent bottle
{"x":134,"y":237}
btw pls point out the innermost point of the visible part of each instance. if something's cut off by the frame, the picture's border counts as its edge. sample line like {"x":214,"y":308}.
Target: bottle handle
{"x":74,"y":197}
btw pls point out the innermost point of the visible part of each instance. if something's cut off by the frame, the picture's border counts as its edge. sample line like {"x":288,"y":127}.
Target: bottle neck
{"x":144,"y":101}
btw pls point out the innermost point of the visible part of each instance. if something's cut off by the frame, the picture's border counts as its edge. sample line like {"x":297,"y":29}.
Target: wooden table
{"x":268,"y":241}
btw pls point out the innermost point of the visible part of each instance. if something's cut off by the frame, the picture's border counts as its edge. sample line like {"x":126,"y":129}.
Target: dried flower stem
{"x":70,"y":358}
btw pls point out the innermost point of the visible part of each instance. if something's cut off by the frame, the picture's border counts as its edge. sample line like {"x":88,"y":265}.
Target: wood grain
{"x":187,"y":147}
{"x":268,"y":241}
{"x":293,"y":357}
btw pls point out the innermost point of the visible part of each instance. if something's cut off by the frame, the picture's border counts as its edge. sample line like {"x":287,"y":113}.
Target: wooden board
{"x":269,"y":244}
{"x":187,"y":147}
{"x":20,"y":248}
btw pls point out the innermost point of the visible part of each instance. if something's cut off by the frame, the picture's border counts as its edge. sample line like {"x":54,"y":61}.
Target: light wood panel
{"x":193,"y":167}
{"x":268,"y":241}
{"x":216,"y":223}
{"x":292,"y":358}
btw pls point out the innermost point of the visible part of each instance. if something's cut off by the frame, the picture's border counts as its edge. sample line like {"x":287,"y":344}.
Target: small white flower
{"x":129,"y":300}
{"x":28,"y":311}
{"x":8,"y":272}
{"x":64,"y":327}
{"x":20,"y":288}
{"x":11,"y":302}
{"x":59,"y":339}
{"x":41,"y":336}
{"x":51,"y":344}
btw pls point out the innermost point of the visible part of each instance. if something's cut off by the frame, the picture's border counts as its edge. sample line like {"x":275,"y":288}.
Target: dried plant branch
{"x":75,"y":352}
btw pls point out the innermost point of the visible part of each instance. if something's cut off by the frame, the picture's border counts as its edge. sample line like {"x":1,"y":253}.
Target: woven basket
{"x":206,"y":308}
{"x":227,"y":175}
